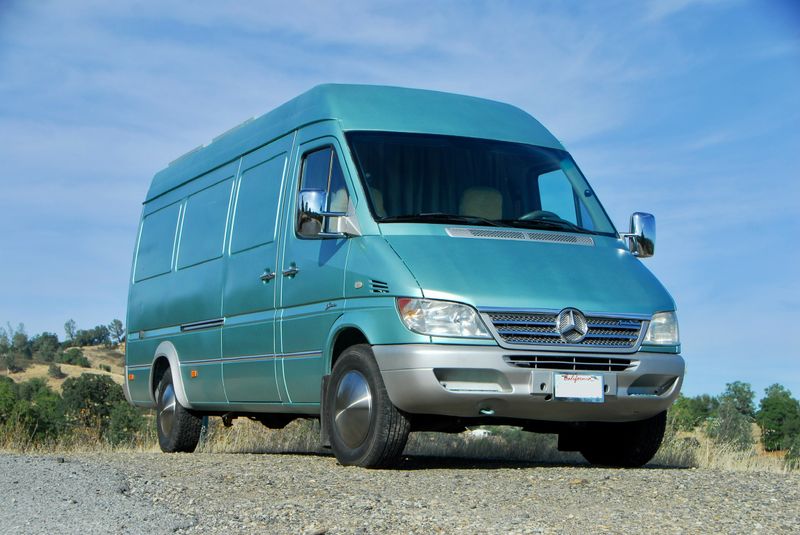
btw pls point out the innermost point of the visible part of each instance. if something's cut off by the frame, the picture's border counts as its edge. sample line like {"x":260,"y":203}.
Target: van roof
{"x":361,"y":107}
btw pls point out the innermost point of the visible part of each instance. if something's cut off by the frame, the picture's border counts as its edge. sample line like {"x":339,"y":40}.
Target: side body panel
{"x":311,"y":300}
{"x":248,"y":337}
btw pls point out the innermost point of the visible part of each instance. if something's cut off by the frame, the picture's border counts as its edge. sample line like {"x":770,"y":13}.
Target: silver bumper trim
{"x":472,"y":381}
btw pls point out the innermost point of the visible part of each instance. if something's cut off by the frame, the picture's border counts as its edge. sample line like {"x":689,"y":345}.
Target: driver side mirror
{"x":642,"y":236}
{"x":312,"y":217}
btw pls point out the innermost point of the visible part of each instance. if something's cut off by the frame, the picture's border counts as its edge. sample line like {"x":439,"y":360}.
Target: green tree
{"x":117,"y":330}
{"x":5,"y":341}
{"x":69,"y":329}
{"x":92,"y":337}
{"x":125,"y":423}
{"x":742,"y":397}
{"x":88,"y":399}
{"x":45,"y":347}
{"x":779,"y":418}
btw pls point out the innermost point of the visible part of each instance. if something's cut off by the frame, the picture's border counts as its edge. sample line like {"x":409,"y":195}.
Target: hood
{"x":490,"y":272}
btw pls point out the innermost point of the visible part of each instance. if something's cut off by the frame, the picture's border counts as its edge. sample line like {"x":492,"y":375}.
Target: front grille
{"x":569,"y":363}
{"x":539,"y":328}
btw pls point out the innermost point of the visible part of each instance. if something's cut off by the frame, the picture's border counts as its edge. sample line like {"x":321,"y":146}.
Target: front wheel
{"x":178,"y":428}
{"x":624,"y":445}
{"x":366,"y":429}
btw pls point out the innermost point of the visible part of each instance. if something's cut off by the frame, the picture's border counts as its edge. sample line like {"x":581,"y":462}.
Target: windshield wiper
{"x":442,"y":218}
{"x":545,"y":224}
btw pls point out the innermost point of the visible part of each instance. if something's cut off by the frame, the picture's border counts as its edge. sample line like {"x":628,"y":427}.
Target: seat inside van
{"x":482,"y":202}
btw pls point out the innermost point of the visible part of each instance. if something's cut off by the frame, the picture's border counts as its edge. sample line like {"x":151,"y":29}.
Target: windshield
{"x":447,"y":179}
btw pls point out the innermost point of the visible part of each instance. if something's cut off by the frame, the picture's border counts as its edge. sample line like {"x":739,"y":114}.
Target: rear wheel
{"x":366,"y":429}
{"x":624,"y":445}
{"x":178,"y":428}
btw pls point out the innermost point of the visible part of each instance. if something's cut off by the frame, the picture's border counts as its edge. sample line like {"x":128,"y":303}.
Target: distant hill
{"x":97,"y":355}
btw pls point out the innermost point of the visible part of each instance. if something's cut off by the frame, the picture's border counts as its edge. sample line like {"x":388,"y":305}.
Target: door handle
{"x":267,"y":275}
{"x":292,"y":271}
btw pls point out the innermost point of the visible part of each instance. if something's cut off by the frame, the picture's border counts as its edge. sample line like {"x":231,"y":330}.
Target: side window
{"x":555,"y":195}
{"x":157,"y":239}
{"x":257,"y":204}
{"x":321,"y":171}
{"x":203,"y":229}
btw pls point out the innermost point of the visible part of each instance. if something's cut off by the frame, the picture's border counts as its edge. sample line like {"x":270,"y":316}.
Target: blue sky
{"x":688,"y":109}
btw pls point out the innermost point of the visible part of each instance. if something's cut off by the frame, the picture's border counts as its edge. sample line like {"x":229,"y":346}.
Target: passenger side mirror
{"x":642,"y":236}
{"x":311,"y":215}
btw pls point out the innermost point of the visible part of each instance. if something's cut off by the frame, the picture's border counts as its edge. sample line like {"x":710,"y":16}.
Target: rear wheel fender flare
{"x":168,"y":351}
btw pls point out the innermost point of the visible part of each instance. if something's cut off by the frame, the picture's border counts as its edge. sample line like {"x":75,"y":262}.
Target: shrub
{"x":89,"y":398}
{"x":687,"y":413}
{"x":126,"y":423}
{"x":54,"y":371}
{"x":731,"y":427}
{"x":793,"y":453}
{"x":741,"y":396}
{"x":8,"y":397}
{"x":74,"y":356}
{"x":105,"y":368}
{"x":36,"y":409}
{"x":13,"y":363}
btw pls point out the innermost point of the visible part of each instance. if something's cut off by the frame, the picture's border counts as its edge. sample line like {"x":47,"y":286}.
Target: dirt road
{"x":246,"y":493}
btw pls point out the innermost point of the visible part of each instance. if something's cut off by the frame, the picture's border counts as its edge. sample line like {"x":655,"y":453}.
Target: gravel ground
{"x":245,"y":493}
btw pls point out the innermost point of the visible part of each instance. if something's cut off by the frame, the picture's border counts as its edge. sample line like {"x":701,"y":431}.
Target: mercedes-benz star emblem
{"x":571,"y":325}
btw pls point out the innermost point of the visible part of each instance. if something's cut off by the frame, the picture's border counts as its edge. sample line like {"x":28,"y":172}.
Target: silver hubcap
{"x":353,"y":409}
{"x":166,"y":414}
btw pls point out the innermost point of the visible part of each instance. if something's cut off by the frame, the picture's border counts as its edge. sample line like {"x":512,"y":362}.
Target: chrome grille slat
{"x":523,"y":328}
{"x":570,"y":363}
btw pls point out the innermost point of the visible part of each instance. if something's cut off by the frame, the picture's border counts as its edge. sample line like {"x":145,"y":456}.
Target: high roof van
{"x":390,"y":260}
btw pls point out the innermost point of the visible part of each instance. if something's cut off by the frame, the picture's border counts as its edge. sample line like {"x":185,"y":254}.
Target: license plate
{"x":579,"y":387}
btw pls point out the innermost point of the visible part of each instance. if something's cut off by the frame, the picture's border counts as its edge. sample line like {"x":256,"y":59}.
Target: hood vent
{"x":378,"y":287}
{"x":520,"y":235}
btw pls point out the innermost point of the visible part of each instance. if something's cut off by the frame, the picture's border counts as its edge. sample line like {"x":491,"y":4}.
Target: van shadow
{"x":433,"y":462}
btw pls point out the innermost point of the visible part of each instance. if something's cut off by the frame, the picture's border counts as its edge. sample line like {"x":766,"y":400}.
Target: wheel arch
{"x":343,"y":334}
{"x":166,"y":357}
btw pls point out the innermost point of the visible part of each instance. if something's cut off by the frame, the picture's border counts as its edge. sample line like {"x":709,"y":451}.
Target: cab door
{"x":312,"y":270}
{"x":248,"y":337}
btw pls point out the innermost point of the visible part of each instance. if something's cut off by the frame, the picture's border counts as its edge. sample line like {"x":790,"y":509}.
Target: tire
{"x":178,"y":428}
{"x":365,"y":428}
{"x":624,"y":445}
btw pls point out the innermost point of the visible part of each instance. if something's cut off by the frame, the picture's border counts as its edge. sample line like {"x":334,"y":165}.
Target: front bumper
{"x":475,"y":381}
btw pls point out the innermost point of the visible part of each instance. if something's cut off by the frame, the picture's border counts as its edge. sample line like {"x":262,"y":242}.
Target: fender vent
{"x":378,"y":287}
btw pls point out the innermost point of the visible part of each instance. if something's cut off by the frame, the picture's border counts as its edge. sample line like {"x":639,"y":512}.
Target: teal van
{"x":392,"y":260}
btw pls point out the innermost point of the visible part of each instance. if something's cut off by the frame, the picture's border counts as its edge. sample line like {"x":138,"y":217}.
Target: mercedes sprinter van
{"x":391,"y":260}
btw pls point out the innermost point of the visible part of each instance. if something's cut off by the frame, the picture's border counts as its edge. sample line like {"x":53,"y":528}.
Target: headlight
{"x":441,"y":318}
{"x":663,"y":330}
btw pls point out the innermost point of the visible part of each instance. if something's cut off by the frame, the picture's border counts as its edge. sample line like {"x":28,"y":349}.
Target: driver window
{"x":555,"y":195}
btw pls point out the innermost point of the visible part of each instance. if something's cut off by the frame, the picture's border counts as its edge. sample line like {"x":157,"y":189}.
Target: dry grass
{"x":682,"y":450}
